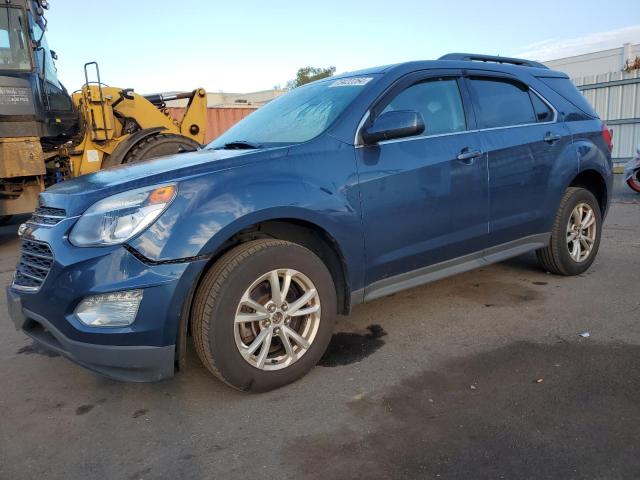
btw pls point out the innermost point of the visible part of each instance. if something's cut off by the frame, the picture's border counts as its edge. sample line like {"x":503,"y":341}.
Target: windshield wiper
{"x":240,"y":145}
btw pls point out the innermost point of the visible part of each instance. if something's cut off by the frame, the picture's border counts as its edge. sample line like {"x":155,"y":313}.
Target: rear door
{"x":521,"y":135}
{"x":421,"y":204}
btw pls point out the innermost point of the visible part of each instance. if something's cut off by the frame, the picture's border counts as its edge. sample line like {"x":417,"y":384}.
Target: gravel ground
{"x":483,"y":375}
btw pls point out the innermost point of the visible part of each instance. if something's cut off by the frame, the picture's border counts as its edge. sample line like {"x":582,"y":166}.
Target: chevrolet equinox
{"x":337,"y":193}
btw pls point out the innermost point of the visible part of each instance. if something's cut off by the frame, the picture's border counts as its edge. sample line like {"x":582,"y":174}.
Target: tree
{"x":630,"y":64}
{"x":310,"y":74}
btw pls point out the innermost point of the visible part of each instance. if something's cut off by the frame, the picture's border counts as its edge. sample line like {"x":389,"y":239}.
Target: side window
{"x":58,"y":98}
{"x":501,"y":103}
{"x":565,"y":88}
{"x":438,"y":101}
{"x":543,"y":112}
{"x":14,"y":47}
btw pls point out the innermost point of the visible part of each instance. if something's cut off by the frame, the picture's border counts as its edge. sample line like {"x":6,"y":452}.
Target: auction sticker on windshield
{"x":351,"y":82}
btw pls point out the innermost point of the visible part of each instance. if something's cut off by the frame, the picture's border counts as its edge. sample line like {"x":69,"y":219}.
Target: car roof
{"x":491,"y":64}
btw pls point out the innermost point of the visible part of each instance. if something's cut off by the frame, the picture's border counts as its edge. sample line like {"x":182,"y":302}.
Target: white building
{"x":595,"y":63}
{"x":611,"y":83}
{"x":235,"y":100}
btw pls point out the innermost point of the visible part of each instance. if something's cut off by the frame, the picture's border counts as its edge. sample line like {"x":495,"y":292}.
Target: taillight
{"x":608,"y":136}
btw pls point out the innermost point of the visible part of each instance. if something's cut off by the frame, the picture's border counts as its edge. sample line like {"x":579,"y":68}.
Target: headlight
{"x":117,"y":218}
{"x":118,"y":309}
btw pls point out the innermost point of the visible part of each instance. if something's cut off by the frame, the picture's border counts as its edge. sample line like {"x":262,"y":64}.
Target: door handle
{"x":467,"y":156}
{"x":551,"y":137}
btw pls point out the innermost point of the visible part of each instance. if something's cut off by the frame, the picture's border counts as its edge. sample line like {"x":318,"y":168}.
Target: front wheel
{"x":263,"y":315}
{"x":575,"y":237}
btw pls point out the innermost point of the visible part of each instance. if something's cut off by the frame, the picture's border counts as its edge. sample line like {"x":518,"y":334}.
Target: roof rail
{"x":473,"y":57}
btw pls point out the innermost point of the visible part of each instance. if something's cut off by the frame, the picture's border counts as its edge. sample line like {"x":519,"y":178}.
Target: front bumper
{"x":142,"y":351}
{"x":127,"y":363}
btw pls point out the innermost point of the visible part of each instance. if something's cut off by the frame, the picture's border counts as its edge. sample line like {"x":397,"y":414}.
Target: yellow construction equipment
{"x":48,"y":136}
{"x":120,"y":126}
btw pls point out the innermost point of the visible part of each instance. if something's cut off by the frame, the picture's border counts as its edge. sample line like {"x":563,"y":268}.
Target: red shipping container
{"x":219,"y":119}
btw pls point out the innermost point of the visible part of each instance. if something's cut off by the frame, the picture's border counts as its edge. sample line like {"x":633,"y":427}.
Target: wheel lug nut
{"x":271,"y":308}
{"x":284,"y":307}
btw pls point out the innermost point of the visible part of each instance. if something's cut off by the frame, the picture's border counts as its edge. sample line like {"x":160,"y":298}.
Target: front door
{"x":424,"y":198}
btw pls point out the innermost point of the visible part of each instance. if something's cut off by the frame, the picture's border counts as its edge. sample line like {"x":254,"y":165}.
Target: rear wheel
{"x":159,"y":146}
{"x":263,"y":315}
{"x":575,"y":237}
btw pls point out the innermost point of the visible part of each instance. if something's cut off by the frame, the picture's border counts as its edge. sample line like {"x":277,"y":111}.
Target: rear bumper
{"x":126,"y":363}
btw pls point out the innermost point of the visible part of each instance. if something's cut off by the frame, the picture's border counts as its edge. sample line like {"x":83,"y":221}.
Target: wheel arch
{"x":302,"y":232}
{"x":593,"y":181}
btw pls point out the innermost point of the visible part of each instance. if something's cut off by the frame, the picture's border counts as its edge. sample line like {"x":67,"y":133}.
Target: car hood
{"x":76,"y":195}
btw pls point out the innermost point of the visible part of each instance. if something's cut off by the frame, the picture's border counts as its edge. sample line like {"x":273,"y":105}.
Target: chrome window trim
{"x":365,"y":117}
{"x":477,"y":130}
{"x":423,"y":137}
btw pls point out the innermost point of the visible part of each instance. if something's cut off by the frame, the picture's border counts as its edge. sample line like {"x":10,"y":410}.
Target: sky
{"x":243,"y":46}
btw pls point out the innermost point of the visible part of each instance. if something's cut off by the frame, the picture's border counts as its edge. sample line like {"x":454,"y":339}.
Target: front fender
{"x":212,"y":208}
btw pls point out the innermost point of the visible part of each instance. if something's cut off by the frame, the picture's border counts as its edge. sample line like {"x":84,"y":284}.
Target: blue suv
{"x":337,"y":193}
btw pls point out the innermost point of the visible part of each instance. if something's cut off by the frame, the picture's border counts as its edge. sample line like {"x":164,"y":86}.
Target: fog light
{"x":116,"y":309}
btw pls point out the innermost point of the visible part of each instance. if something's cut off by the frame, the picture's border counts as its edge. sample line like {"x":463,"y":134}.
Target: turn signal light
{"x":162,"y":194}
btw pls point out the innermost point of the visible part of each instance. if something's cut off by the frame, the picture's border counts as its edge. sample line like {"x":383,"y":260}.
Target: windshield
{"x":14,"y":47}
{"x":295,"y":117}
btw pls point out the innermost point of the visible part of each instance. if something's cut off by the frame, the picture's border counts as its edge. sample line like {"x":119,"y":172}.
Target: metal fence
{"x":616,"y":98}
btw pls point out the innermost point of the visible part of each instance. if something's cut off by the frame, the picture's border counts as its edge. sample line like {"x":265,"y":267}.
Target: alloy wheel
{"x":581,"y":232}
{"x":277,"y":319}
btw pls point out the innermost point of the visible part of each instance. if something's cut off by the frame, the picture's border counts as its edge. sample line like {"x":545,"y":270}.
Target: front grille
{"x":36,"y":259}
{"x":47,"y":216}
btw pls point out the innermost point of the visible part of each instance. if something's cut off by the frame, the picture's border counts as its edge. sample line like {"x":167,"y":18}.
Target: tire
{"x":159,"y":146}
{"x":219,"y":339}
{"x":634,"y":182}
{"x":557,"y":256}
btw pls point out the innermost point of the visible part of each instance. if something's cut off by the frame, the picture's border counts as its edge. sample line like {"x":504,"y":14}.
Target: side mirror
{"x":393,"y":125}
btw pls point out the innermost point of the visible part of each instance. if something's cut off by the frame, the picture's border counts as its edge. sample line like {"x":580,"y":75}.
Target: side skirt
{"x":412,"y":279}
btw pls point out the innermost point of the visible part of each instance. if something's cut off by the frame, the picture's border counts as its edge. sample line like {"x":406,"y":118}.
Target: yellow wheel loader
{"x":119,"y":126}
{"x":47,"y":135}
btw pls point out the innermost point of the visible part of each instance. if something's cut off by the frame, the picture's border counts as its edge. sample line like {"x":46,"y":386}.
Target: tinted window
{"x":566,"y":88}
{"x":501,"y":103}
{"x":14,"y":46}
{"x":58,"y":98}
{"x":439,"y":103}
{"x":543,"y":112}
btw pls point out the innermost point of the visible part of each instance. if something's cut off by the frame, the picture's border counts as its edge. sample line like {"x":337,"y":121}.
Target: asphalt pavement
{"x":482,"y":375}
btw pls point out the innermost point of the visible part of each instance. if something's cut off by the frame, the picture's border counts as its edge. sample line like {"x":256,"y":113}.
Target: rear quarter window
{"x":567,"y":90}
